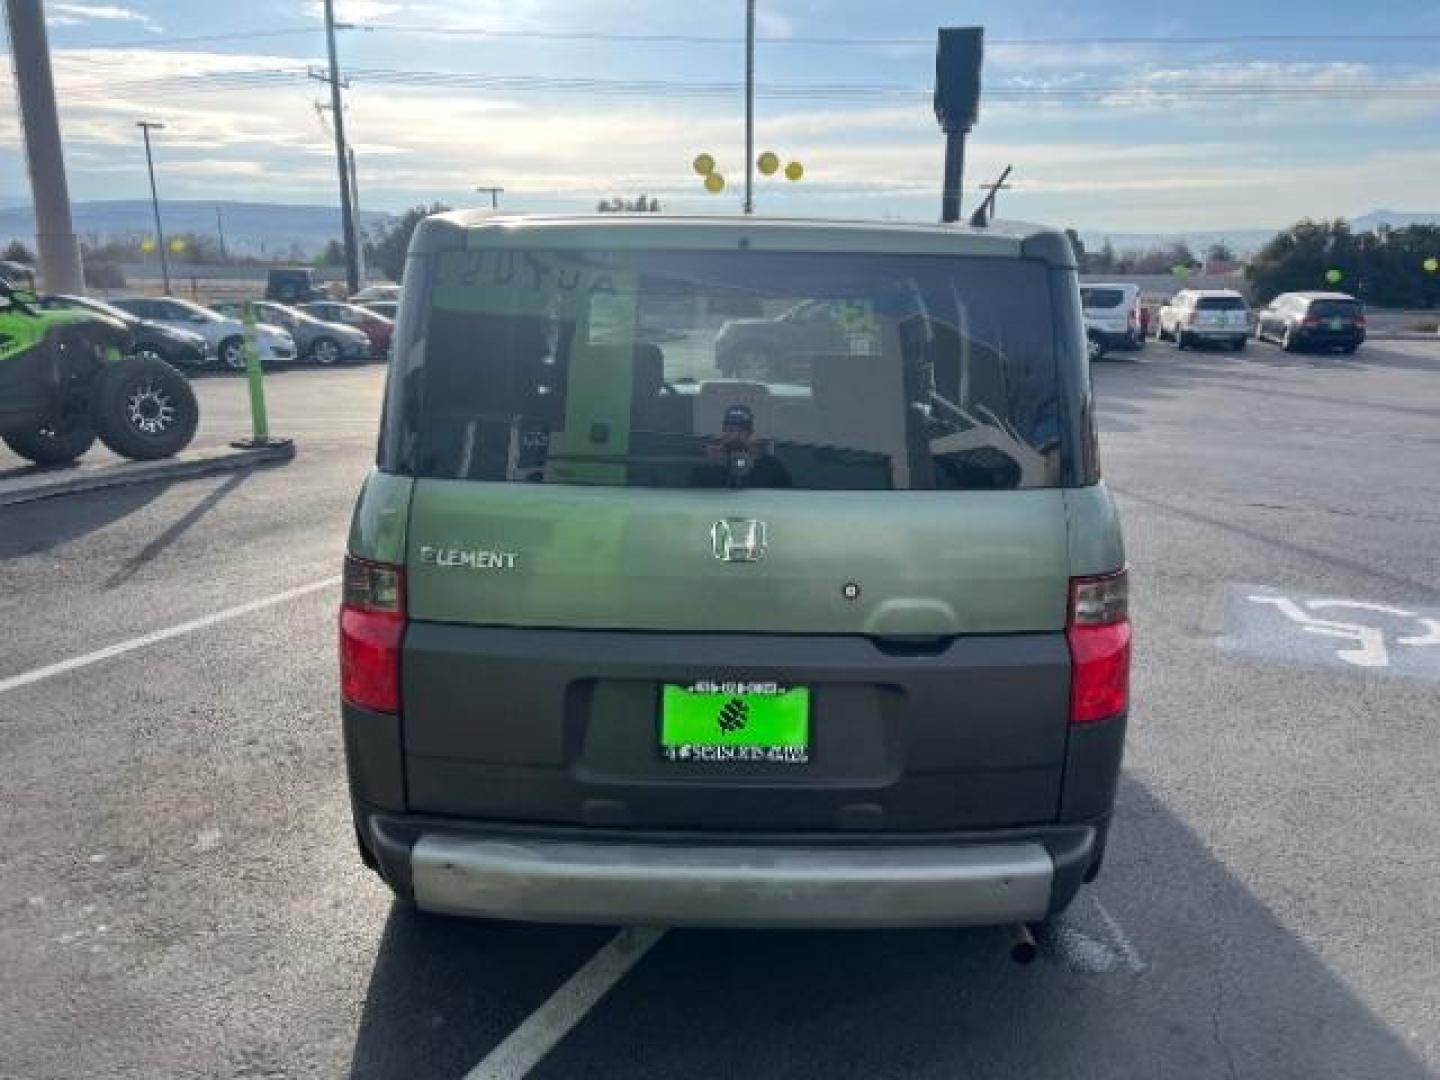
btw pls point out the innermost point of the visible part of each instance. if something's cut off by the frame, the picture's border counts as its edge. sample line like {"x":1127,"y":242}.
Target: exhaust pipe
{"x":1023,"y":949}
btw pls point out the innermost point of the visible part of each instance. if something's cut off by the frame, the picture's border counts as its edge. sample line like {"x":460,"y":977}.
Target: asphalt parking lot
{"x":180,"y":896}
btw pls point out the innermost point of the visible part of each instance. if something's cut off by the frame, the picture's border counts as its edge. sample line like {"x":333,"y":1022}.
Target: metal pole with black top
{"x":958,"y":57}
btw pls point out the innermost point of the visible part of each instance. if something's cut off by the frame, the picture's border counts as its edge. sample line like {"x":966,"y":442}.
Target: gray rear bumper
{"x":733,"y":884}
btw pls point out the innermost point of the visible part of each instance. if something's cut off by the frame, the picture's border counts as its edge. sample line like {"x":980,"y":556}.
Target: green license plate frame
{"x":735,"y":721}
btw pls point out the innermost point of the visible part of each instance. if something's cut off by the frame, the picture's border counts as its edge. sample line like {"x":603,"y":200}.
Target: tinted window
{"x":1101,"y":298}
{"x":1334,"y":309}
{"x":716,"y":369}
{"x":1220,"y":303}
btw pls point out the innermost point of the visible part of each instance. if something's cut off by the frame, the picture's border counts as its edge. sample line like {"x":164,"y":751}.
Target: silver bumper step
{"x":731,"y":885}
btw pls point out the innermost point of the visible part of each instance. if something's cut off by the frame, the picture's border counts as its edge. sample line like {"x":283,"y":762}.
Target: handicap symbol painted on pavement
{"x":1353,"y":633}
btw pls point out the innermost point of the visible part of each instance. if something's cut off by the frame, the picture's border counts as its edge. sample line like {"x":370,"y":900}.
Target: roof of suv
{"x":1320,"y":295}
{"x":1004,"y":239}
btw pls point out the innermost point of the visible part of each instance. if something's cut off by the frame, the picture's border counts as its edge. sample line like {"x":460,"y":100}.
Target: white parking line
{"x":14,"y":682}
{"x":524,"y":1047}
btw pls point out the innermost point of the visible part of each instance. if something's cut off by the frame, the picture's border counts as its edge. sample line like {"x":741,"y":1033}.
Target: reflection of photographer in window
{"x":738,"y":459}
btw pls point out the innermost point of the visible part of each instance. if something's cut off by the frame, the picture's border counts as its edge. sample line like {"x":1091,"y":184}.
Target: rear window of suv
{"x":712,"y":369}
{"x":1220,"y":303}
{"x":1102,"y":298}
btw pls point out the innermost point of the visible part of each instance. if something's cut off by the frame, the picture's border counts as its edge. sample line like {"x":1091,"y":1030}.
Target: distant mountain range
{"x":250,"y":228}
{"x":1244,"y":241}
{"x":275,"y":228}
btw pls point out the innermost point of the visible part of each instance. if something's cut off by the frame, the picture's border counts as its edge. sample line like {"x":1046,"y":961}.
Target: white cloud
{"x":75,"y":14}
{"x":1214,"y":166}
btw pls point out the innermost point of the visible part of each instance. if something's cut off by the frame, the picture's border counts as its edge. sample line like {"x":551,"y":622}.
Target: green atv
{"x":66,"y":379}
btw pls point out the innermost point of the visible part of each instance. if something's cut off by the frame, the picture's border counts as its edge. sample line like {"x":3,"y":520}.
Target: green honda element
{"x":636,"y":630}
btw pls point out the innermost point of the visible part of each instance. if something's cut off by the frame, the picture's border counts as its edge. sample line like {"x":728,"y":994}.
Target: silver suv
{"x":1195,"y":316}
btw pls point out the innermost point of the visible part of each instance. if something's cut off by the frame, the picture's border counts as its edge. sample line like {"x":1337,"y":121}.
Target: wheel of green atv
{"x":144,"y":409}
{"x":57,"y":443}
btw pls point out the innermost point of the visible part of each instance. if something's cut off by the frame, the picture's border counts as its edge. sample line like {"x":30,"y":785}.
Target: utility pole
{"x":495,"y":193}
{"x":59,"y":250}
{"x":749,"y":106}
{"x":145,"y":126}
{"x":355,"y":199}
{"x":347,"y":206}
{"x":220,"y":228}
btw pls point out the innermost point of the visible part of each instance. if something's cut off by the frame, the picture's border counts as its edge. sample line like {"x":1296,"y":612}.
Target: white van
{"x":1112,"y":316}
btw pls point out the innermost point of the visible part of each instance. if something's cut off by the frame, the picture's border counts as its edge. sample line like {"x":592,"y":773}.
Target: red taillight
{"x":1360,"y":322}
{"x":1098,"y":632}
{"x":1310,"y":320}
{"x":372,"y":624}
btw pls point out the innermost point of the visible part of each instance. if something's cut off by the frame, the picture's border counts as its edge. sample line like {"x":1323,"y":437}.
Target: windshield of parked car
{"x":1102,"y":298}
{"x":728,"y":368}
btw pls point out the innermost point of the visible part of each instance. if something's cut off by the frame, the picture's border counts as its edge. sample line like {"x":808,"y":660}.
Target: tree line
{"x":1385,"y":267}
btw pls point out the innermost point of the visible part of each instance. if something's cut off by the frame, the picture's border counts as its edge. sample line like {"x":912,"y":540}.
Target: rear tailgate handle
{"x":912,"y":644}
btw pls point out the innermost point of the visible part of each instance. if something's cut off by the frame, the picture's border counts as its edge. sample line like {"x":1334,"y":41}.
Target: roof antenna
{"x":985,"y":212}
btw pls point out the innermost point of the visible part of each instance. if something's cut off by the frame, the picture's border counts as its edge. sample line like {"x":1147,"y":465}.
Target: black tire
{"x":1094,"y":348}
{"x":55,"y":443}
{"x":326,"y":351}
{"x":1288,"y":342}
{"x":1239,"y":344}
{"x":231,"y":354}
{"x":1182,"y":339}
{"x":1349,"y":350}
{"x":144,"y":409}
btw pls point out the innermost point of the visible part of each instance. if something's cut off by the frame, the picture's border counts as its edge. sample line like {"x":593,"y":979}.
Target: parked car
{"x":387,"y":293}
{"x":1113,"y":318}
{"x":179,"y":348}
{"x":225,"y":335}
{"x":69,"y":376}
{"x":596,"y":668}
{"x":294,"y":285}
{"x":376,"y":327}
{"x":388,"y":308}
{"x":1312,"y":320}
{"x":781,"y":348}
{"x":315,"y":340}
{"x":1211,"y":316}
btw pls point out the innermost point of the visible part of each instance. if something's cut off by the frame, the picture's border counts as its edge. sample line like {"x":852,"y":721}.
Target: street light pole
{"x":495,"y":193}
{"x":749,"y":106}
{"x":59,"y":251}
{"x":146,"y":126}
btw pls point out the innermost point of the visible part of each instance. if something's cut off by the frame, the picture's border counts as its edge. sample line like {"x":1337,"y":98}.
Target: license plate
{"x":735,"y":721}
{"x":1337,"y":324}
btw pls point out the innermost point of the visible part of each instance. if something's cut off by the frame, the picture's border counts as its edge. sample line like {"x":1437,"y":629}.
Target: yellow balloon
{"x":769,"y":163}
{"x":794,"y":171}
{"x":714,"y":183}
{"x":703,"y":165}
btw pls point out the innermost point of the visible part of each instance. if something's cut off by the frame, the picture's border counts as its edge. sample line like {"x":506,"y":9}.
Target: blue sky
{"x":1105,"y":135}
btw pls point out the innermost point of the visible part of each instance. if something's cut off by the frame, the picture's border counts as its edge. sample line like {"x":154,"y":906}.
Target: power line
{"x":793,"y":41}
{"x":875,"y":42}
{"x":849,"y":92}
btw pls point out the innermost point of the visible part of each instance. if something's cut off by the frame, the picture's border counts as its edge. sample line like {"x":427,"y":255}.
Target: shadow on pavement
{"x":1358,"y":567}
{"x":445,"y":991}
{"x":177,"y":528}
{"x":33,"y":527}
{"x":1218,"y":987}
